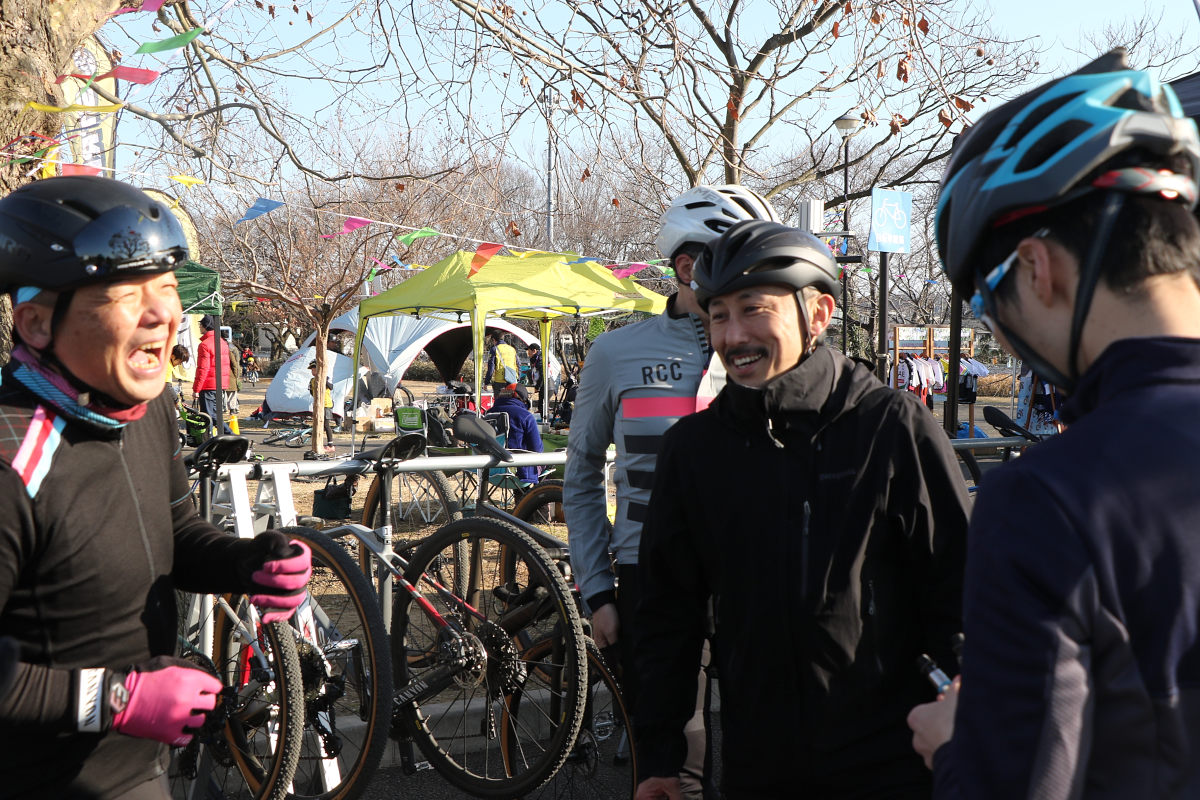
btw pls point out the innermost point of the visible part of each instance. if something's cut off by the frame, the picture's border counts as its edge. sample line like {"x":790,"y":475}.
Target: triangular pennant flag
{"x":149,"y":5}
{"x":186,"y":180}
{"x":670,"y":273}
{"x":48,"y":166}
{"x":382,"y":266}
{"x":625,"y":272}
{"x":129,"y":74}
{"x":173,"y":43}
{"x":410,"y":237}
{"x":581,"y":260}
{"x":483,"y":254}
{"x":351,"y":224}
{"x":371,"y":275}
{"x":261,"y":206}
{"x":399,"y":263}
{"x":104,"y":108}
{"x":79,"y":169}
{"x":524,"y":253}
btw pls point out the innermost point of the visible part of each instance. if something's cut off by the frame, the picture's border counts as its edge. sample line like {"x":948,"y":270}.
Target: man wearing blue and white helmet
{"x":1066,"y":215}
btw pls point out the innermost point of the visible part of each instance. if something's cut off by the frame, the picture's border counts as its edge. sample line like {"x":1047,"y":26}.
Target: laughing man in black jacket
{"x":826,"y":516}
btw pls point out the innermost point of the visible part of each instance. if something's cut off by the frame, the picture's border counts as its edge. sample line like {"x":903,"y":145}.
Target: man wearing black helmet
{"x":1066,"y":215}
{"x":825,"y":517}
{"x":636,"y":382}
{"x":98,"y":527}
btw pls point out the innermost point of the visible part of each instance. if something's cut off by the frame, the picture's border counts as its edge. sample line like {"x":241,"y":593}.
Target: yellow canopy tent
{"x":540,"y":286}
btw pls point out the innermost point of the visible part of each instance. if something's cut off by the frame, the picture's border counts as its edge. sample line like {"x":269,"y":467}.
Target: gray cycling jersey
{"x":636,"y":382}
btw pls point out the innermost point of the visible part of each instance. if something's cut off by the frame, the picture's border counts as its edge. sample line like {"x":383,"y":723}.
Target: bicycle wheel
{"x":347,"y":669}
{"x":542,"y":507}
{"x":249,"y":751}
{"x":279,"y":435}
{"x":299,"y":438}
{"x":402,"y":397}
{"x":421,"y":502}
{"x":603,"y":762}
{"x":454,"y":691}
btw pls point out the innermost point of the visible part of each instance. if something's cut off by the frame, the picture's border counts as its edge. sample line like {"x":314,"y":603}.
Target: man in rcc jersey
{"x":98,"y":528}
{"x":825,"y":516}
{"x":1067,"y":214}
{"x":636,"y":382}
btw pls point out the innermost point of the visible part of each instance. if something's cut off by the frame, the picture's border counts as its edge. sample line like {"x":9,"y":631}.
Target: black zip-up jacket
{"x":97,"y":529}
{"x":826,"y":514}
{"x":1081,"y":671}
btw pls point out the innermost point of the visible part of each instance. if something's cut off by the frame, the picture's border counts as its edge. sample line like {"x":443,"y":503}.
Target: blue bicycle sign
{"x":890,"y":215}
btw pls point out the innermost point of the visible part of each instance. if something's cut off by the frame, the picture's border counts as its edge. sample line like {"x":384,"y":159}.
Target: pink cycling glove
{"x":279,"y":584}
{"x":164,"y":699}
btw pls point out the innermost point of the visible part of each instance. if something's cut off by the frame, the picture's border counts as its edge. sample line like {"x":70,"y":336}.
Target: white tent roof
{"x":390,"y":343}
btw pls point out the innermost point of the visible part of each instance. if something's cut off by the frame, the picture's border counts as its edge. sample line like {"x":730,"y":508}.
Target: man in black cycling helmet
{"x":1067,"y":215}
{"x":98,"y":527}
{"x":824,"y":514}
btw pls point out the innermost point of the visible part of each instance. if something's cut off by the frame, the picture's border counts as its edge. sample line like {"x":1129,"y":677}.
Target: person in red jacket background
{"x":204,"y":386}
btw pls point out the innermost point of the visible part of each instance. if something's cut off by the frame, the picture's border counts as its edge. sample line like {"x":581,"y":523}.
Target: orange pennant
{"x":483,"y":254}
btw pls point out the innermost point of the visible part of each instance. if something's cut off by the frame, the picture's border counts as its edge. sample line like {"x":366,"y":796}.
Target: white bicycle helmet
{"x":703,"y":213}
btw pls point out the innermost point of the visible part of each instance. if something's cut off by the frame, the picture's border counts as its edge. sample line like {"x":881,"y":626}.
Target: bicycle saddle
{"x":1006,"y":425}
{"x":470,"y":428}
{"x":217,"y":451}
{"x":402,"y":448}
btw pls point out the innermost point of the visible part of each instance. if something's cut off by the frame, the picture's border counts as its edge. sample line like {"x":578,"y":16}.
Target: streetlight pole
{"x":846,"y":125}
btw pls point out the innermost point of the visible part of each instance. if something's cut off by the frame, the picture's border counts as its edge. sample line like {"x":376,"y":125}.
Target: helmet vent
{"x":699,"y":204}
{"x":770,"y":264}
{"x":1037,"y":116}
{"x":1053,"y":142}
{"x":1133,"y":100}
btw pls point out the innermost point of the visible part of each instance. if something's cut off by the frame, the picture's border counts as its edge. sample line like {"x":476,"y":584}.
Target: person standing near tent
{"x":502,"y":368}
{"x":204,"y":385}
{"x":636,"y":382}
{"x":326,"y":405}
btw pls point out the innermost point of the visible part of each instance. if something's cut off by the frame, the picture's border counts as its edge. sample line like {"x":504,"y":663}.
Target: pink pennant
{"x":148,"y":5}
{"x":632,"y":269}
{"x":79,"y":169}
{"x":129,"y":74}
{"x":483,"y":254}
{"x":352,"y":224}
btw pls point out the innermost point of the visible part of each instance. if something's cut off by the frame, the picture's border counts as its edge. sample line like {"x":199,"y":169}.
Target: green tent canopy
{"x":199,"y":289}
{"x":540,"y":286}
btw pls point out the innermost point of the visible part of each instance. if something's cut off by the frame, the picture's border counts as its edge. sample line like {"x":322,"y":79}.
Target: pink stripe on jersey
{"x":673,"y":406}
{"x":30,"y":456}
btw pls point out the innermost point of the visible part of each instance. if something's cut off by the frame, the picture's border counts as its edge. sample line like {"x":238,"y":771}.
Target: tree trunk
{"x":36,"y":42}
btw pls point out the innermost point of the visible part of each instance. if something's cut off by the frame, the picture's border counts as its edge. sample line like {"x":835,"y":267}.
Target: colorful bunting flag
{"x":105,"y":108}
{"x":149,"y":5}
{"x":186,"y":180}
{"x":483,"y":254}
{"x":79,"y":169}
{"x":128,"y":74}
{"x":410,"y":237}
{"x":48,"y":166}
{"x":172,"y":43}
{"x":399,"y":263}
{"x":670,"y":273}
{"x":580,"y":260}
{"x":371,"y":275}
{"x":261,"y":206}
{"x":625,"y":272}
{"x":351,"y":224}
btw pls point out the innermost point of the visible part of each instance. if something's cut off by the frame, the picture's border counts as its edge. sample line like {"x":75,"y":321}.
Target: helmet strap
{"x":805,"y":325}
{"x":1089,"y":277}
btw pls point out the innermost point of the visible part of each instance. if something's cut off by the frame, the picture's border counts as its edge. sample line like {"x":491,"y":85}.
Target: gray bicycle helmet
{"x":64,"y":233}
{"x":703,"y":213}
{"x":757,"y":253}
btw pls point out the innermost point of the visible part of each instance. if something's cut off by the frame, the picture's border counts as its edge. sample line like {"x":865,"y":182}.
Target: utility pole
{"x":847,"y":125}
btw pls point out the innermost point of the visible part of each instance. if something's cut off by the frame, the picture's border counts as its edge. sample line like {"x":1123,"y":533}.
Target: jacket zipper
{"x":804,"y":554}
{"x":138,"y":507}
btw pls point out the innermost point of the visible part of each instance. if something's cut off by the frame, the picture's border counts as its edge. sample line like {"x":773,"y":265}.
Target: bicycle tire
{"x":300,"y":439}
{"x":402,"y":397}
{"x":972,"y":464}
{"x":348,"y":683}
{"x":541,"y":507}
{"x":537,"y":607}
{"x":254,"y":752}
{"x":421,"y":502}
{"x":279,"y":435}
{"x":603,"y":760}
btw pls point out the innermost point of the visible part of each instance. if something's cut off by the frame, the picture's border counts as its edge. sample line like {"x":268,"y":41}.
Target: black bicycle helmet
{"x":1096,"y":129}
{"x":757,"y":253}
{"x":63,"y":233}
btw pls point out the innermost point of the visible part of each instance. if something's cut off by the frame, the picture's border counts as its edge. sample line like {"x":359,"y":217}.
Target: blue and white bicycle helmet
{"x":1104,"y":128}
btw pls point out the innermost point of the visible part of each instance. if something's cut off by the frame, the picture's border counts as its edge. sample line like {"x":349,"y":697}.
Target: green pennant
{"x":410,"y":237}
{"x":670,"y":273}
{"x":172,"y":43}
{"x":371,"y":274}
